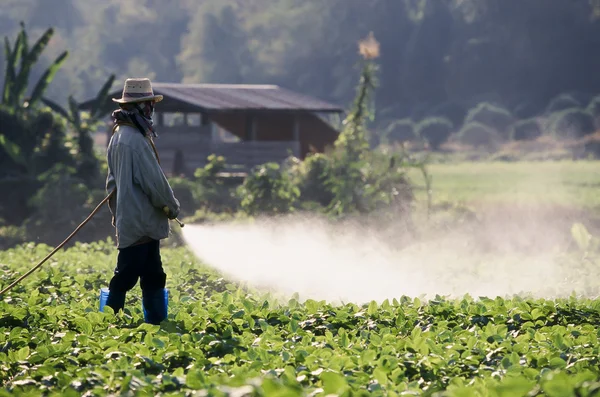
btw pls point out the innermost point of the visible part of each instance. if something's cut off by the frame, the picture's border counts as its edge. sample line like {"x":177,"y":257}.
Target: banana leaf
{"x":9,"y":77}
{"x":47,"y":78}
{"x":57,"y":108}
{"x":13,"y":150}
{"x":76,"y":120}
{"x":28,"y":59}
{"x":102,"y":100}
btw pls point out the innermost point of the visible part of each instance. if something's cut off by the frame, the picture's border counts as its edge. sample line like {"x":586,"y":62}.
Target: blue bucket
{"x":166,"y":297}
{"x":103,"y":298}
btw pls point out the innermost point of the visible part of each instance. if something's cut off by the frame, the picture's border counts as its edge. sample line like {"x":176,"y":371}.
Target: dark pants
{"x":141,"y":262}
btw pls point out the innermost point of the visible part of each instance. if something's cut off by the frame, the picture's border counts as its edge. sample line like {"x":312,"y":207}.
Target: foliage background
{"x":434,"y":53}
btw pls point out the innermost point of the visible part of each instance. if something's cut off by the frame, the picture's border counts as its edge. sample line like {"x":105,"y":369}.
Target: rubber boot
{"x":116,"y":300}
{"x":155,"y":309}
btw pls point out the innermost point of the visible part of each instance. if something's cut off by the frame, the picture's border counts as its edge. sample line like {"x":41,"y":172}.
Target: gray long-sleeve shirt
{"x":142,"y":189}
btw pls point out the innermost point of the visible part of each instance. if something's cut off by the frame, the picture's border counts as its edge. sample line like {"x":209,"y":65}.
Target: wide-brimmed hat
{"x":138,"y":90}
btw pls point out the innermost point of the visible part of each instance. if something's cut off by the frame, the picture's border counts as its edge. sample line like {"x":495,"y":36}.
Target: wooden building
{"x":247,"y":124}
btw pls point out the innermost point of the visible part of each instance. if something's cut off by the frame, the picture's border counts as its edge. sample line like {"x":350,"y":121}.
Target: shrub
{"x":399,"y":131}
{"x":495,"y":117}
{"x":312,"y":176}
{"x":435,"y":130}
{"x":527,"y":109}
{"x":562,"y":102}
{"x":188,"y":193}
{"x":268,"y":190}
{"x":570,"y":123}
{"x":527,"y":129}
{"x":478,"y":135}
{"x":214,"y":193}
{"x":453,"y":111}
{"x":60,"y":205}
{"x":593,"y":108}
{"x":11,"y":236}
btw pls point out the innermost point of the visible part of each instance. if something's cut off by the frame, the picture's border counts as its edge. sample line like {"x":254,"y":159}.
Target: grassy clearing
{"x":573,"y":184}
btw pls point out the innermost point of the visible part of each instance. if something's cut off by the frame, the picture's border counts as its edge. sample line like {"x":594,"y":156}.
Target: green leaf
{"x":372,"y":308}
{"x":195,"y":379}
{"x":57,"y":108}
{"x":516,"y":386}
{"x":333,"y":383}
{"x":537,"y":314}
{"x":83,"y":325}
{"x":557,"y":362}
{"x":22,"y":354}
{"x":13,"y":150}
{"x":10,"y":73}
{"x":75,"y":119}
{"x":47,"y":78}
{"x":156,"y":342}
{"x":102,"y":98}
{"x":381,"y":376}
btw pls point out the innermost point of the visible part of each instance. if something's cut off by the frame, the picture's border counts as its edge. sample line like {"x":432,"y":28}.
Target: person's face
{"x":148,"y":108}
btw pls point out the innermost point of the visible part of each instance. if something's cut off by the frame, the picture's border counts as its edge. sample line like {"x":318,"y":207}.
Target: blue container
{"x":103,"y":298}
{"x":166,"y":296}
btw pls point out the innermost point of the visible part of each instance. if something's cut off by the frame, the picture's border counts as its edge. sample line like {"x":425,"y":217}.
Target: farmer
{"x":143,"y":201}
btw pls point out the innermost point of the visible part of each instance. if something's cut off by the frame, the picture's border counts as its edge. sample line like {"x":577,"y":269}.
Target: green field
{"x":222,"y":339}
{"x":574,"y":184}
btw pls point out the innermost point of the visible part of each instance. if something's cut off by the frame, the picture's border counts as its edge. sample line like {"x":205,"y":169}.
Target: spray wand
{"x":166,"y":209}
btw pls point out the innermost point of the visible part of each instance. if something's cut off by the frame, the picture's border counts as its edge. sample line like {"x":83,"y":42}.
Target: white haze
{"x":361,"y":261}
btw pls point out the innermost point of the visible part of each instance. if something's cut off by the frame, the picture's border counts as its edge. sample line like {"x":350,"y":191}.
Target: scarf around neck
{"x":139,"y":116}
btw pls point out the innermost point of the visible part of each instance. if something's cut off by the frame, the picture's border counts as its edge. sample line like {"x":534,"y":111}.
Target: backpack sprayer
{"x":104,"y":201}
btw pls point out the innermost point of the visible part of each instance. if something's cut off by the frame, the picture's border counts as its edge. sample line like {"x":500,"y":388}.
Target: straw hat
{"x":138,"y":90}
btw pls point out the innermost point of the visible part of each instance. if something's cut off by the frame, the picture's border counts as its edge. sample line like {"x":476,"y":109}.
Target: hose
{"x":82,"y":224}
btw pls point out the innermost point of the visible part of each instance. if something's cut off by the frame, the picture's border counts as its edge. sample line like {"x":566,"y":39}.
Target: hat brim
{"x":155,"y":98}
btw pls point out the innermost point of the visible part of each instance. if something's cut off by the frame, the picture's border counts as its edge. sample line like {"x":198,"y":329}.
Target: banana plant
{"x":19,"y":61}
{"x":83,"y":125}
{"x":101,"y":106}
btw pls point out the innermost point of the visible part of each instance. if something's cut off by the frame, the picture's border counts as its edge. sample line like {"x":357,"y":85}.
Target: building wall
{"x":314,"y":133}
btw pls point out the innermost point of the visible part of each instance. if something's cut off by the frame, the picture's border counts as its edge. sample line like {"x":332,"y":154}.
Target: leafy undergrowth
{"x":222,"y":340}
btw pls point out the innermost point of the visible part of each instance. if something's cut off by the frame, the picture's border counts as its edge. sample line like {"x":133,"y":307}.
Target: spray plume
{"x":497,"y":255}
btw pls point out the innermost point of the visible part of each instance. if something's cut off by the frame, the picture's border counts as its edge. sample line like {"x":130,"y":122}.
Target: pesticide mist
{"x":359,"y":262}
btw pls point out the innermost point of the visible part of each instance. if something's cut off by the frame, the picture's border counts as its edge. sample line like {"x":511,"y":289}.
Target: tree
{"x":218,"y":53}
{"x":16,"y":78}
{"x":88,"y":168}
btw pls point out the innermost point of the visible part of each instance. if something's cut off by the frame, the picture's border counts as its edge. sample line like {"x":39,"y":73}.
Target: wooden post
{"x":250,"y":128}
{"x":253,"y":131}
{"x":297,"y":134}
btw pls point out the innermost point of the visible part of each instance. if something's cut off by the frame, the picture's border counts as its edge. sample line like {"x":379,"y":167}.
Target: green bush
{"x":61,"y":204}
{"x":593,"y":108}
{"x":453,"y":111}
{"x":527,"y":129}
{"x":478,"y":135}
{"x":492,"y":116}
{"x":268,"y":190}
{"x":562,"y":102}
{"x":311,"y":178}
{"x":215,"y":194}
{"x":11,"y":236}
{"x":570,"y":123}
{"x":435,"y":130}
{"x":527,"y":109}
{"x":188,"y":193}
{"x":399,"y":131}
